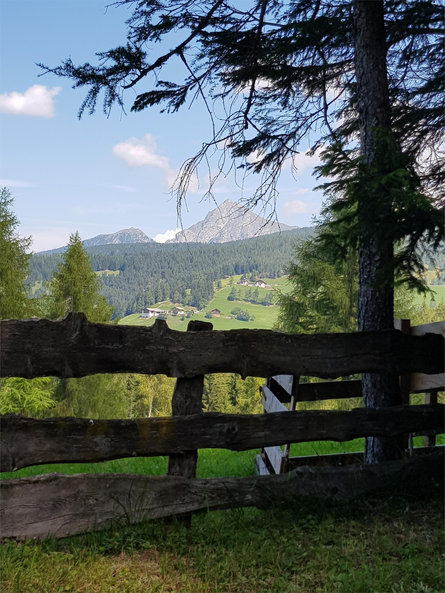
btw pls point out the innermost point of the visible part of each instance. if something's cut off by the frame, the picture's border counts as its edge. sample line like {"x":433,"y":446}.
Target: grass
{"x":107,"y":273}
{"x":265,"y":317}
{"x":383,"y":545}
{"x":380,"y":545}
{"x":439,"y":296}
{"x":305,"y":549}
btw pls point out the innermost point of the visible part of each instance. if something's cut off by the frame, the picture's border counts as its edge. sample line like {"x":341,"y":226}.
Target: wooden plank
{"x":285,"y":382}
{"x":341,"y":459}
{"x":278,"y":391}
{"x":57,"y":505}
{"x":74,"y":347}
{"x":75,"y":439}
{"x":260,"y":466}
{"x":330,"y":390}
{"x":438,"y":327}
{"x":333,"y":459}
{"x":275,"y":457}
{"x":421,"y":382}
{"x":186,"y":400}
{"x":404,"y":380}
{"x":270,"y":402}
{"x":309,"y":392}
{"x":430,"y":399}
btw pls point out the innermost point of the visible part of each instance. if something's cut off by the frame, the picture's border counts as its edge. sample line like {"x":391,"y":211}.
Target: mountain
{"x":130,"y":235}
{"x":124,"y":236}
{"x":185,"y":273}
{"x":228,"y":222}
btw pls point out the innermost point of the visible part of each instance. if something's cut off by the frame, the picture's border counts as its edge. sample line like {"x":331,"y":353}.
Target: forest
{"x":184,"y":273}
{"x":361,"y":84}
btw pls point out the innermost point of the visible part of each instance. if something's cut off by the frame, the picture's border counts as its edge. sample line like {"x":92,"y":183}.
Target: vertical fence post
{"x":429,"y":440}
{"x":292,"y":406}
{"x":405,"y":441}
{"x":187,"y":399}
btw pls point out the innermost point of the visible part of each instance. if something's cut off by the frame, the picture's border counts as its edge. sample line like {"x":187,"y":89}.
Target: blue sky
{"x":98,"y":175}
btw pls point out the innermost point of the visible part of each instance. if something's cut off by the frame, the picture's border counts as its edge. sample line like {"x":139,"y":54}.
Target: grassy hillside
{"x":264,"y":316}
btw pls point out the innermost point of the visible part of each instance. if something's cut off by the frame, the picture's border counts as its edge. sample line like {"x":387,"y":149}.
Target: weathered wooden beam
{"x":57,"y":505}
{"x":331,"y":459}
{"x":26,"y":441}
{"x":186,"y":400}
{"x":270,"y":402}
{"x":309,"y":392}
{"x":341,"y":459}
{"x":74,"y":347}
{"x":275,"y":456}
{"x":420,"y":382}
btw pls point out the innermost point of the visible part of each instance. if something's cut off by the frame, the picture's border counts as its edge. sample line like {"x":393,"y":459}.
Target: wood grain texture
{"x":270,"y":402}
{"x":74,"y":347}
{"x":275,"y":457}
{"x":75,"y":439}
{"x":57,"y":505}
{"x":186,"y":400}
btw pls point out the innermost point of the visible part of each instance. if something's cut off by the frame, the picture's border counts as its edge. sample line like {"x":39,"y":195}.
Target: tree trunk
{"x":376,"y":271}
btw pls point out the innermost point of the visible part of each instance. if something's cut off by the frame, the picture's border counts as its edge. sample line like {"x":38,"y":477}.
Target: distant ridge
{"x":228,"y":222}
{"x":131,"y":235}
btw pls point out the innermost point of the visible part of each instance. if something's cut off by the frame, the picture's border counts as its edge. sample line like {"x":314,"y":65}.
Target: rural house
{"x":147,"y":313}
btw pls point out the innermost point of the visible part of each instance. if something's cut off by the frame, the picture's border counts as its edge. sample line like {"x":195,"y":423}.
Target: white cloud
{"x":163,"y":237}
{"x":291,"y":207}
{"x":302,"y":161}
{"x":254,"y":156}
{"x":37,"y":101}
{"x":15,"y":183}
{"x":140,"y":153}
{"x":261,"y":84}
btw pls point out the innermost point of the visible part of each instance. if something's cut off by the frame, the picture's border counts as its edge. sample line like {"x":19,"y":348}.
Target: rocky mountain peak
{"x":229,"y":221}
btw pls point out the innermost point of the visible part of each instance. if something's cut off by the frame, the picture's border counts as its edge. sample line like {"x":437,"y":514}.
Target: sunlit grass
{"x":391,"y":545}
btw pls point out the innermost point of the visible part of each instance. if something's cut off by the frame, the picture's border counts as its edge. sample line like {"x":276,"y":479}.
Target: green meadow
{"x":384,"y":544}
{"x":437,"y":296}
{"x":265,"y":317}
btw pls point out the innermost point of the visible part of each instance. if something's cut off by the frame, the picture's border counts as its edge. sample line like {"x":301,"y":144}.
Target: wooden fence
{"x":58,"y":505}
{"x":286,"y":390}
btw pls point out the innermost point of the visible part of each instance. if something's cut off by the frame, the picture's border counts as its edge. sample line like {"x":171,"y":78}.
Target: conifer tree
{"x":363,"y":78}
{"x":14,"y":261}
{"x":324,"y":292}
{"x":75,"y":287}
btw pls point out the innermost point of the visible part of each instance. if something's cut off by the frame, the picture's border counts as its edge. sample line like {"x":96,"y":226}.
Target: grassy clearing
{"x":265,"y":317}
{"x":107,"y":273}
{"x":438,"y":297}
{"x":383,"y":546}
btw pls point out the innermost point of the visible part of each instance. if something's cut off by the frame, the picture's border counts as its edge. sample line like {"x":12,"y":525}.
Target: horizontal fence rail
{"x":311,"y":392}
{"x":57,"y":505}
{"x":75,"y":347}
{"x":81,"y":440}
